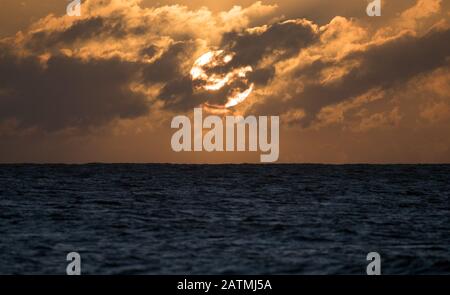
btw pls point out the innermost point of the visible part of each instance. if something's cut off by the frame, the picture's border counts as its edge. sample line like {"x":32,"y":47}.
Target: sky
{"x":105,"y":85}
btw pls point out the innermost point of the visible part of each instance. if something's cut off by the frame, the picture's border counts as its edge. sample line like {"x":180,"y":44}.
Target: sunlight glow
{"x":201,"y":72}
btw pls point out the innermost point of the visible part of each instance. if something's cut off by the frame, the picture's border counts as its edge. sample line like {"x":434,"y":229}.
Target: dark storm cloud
{"x":249,"y":47}
{"x":169,"y":69}
{"x":279,"y":41}
{"x":76,"y":92}
{"x":71,"y":92}
{"x":262,"y":76}
{"x":168,"y":66}
{"x":149,"y":51}
{"x":179,"y":94}
{"x":380,"y":66}
{"x":383,"y":66}
{"x":81,"y":30}
{"x":286,"y":37}
{"x":67,"y":92}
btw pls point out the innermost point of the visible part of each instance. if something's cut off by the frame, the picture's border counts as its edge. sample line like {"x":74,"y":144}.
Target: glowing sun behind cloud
{"x":211,"y":72}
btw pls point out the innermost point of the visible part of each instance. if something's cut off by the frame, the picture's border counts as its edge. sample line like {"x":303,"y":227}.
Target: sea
{"x":224,"y":219}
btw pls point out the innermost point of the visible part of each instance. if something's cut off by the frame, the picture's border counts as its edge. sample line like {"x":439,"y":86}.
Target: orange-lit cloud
{"x":129,"y":66}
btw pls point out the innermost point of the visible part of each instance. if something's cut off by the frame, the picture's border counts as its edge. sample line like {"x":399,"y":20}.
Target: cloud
{"x":84,"y":71}
{"x":347,"y":87}
{"x":169,"y":65}
{"x":248,"y":48}
{"x":347,"y":63}
{"x":422,"y":9}
{"x":282,"y":39}
{"x":79,"y":31}
{"x":121,"y":60}
{"x":378,"y":66}
{"x":67,"y":92}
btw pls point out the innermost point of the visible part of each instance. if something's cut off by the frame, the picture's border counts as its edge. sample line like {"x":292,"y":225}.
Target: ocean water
{"x":224,"y":219}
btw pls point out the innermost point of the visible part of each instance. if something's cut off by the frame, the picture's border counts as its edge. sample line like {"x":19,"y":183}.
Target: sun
{"x":213,"y":73}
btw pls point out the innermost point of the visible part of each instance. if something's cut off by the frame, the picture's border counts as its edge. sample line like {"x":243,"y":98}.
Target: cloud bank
{"x":123,"y":61}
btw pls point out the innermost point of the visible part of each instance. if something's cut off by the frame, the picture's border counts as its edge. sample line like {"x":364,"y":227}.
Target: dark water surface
{"x":226,"y":219}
